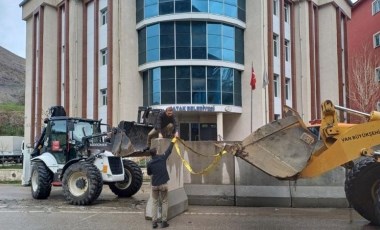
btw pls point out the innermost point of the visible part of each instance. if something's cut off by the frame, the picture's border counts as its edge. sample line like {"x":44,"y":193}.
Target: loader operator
{"x":166,"y":123}
{"x":156,"y":168}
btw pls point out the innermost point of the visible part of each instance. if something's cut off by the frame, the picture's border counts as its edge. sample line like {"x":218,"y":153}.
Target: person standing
{"x":156,"y":168}
{"x":166,"y":123}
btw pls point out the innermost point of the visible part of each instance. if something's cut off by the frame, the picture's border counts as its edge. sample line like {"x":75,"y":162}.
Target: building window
{"x":166,"y":7}
{"x":276,"y":85}
{"x":191,"y":40}
{"x":103,"y":95}
{"x":287,"y":12}
{"x":376,"y":40}
{"x":375,"y":7}
{"x":192,"y":85}
{"x":103,"y":56}
{"x":168,"y":85}
{"x":287,"y":88}
{"x":166,"y":40}
{"x":103,"y":16}
{"x":151,"y":8}
{"x":275,"y":45}
{"x":286,"y":50}
{"x":377,"y":74}
{"x":275,"y":7}
{"x":198,"y":84}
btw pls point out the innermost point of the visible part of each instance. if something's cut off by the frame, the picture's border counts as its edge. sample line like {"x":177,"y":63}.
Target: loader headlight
{"x":105,"y":168}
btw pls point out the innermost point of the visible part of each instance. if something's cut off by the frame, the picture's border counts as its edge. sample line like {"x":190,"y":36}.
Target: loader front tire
{"x":362,"y":189}
{"x":82,"y":183}
{"x":133,"y":178}
{"x":40,"y":180}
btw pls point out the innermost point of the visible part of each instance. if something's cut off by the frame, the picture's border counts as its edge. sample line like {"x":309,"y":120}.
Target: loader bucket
{"x":136,"y":134}
{"x":281,"y":148}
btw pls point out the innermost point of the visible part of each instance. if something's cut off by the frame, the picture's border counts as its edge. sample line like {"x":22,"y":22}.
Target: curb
{"x":10,"y":174}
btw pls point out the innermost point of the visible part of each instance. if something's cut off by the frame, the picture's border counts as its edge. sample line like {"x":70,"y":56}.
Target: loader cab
{"x":56,"y":139}
{"x":64,"y":134}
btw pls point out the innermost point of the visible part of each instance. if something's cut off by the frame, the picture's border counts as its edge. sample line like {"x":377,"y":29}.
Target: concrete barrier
{"x":233,"y":181}
{"x":216,"y":187}
{"x":236,"y":182}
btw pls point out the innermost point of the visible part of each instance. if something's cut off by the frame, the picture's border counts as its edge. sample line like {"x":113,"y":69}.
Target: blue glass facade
{"x":152,"y":8}
{"x":188,"y":39}
{"x":192,"y":85}
{"x":191,"y":40}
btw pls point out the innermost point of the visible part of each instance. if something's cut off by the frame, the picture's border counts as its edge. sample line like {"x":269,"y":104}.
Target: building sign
{"x":203,"y":108}
{"x":197,"y":108}
{"x":361,"y":135}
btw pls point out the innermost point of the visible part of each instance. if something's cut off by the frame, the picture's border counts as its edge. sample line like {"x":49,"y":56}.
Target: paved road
{"x":19,"y":211}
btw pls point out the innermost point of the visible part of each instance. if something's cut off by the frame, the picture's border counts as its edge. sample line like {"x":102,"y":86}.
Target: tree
{"x":12,"y":123}
{"x":364,"y":92}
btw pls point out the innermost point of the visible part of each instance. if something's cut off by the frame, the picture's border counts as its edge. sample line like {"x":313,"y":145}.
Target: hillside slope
{"x":12,"y":77}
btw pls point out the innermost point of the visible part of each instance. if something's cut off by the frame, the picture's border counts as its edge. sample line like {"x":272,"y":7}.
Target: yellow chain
{"x":216,"y":160}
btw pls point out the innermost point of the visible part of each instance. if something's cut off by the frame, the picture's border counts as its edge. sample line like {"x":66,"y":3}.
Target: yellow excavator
{"x":288,"y":149}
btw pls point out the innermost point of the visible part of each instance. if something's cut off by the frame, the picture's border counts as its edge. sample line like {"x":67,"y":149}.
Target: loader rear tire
{"x":133,"y":178}
{"x":82,"y":183}
{"x":362,"y":189}
{"x":377,"y":209}
{"x":41,"y":178}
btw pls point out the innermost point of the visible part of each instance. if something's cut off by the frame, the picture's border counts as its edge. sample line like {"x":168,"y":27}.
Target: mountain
{"x":12,"y":77}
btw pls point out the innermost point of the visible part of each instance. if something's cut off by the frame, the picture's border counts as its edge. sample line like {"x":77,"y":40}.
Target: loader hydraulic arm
{"x":342,"y":142}
{"x":116,"y":140}
{"x":287,"y":149}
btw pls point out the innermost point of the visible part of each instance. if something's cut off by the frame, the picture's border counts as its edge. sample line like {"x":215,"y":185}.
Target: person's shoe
{"x":164,"y":224}
{"x":154,"y":225}
{"x":146,"y":149}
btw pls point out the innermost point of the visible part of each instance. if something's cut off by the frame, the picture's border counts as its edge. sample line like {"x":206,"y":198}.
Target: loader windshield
{"x":82,"y":129}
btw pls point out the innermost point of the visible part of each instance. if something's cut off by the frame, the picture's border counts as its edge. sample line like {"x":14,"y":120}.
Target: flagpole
{"x":253,"y":86}
{"x":266,"y":108}
{"x":265,"y":77}
{"x":251,"y":98}
{"x":251,"y":108}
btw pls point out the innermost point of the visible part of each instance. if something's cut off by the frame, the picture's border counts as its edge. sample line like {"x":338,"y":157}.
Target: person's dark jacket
{"x":157,"y":167}
{"x":163,"y":120}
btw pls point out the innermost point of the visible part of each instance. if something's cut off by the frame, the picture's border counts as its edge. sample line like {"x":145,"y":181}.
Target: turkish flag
{"x":253,"y":79}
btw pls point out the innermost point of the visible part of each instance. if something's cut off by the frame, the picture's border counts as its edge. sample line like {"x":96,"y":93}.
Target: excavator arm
{"x":342,"y":142}
{"x":287,"y":149}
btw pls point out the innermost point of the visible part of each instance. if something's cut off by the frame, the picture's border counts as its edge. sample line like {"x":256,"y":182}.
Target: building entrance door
{"x":198,"y":131}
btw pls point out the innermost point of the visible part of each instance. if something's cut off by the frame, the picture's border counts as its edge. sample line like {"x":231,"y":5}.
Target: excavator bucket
{"x":134,"y":137}
{"x":281,"y":148}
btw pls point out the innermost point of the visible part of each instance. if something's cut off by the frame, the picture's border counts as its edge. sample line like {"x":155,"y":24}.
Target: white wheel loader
{"x":75,"y":153}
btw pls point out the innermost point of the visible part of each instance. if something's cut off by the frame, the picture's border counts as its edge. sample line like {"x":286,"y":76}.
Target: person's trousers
{"x":154,"y":133}
{"x":160,"y":193}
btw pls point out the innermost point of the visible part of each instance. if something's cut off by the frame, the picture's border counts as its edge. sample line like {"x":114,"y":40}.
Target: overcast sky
{"x":12,"y":27}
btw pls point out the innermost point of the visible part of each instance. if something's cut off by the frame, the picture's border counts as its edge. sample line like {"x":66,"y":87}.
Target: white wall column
{"x":219,"y":126}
